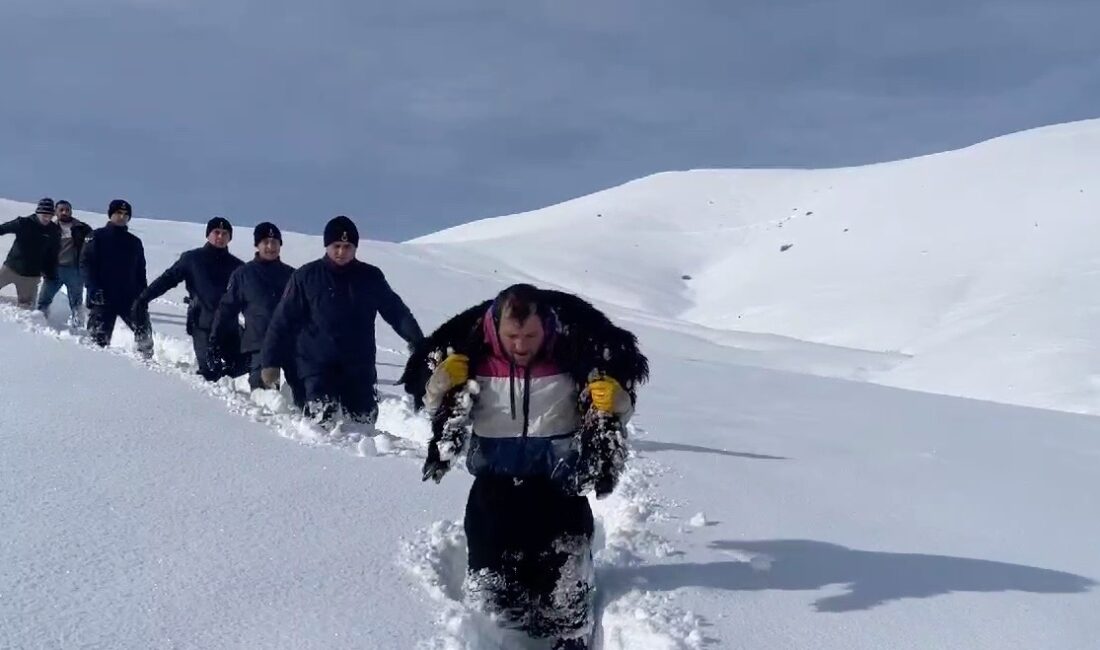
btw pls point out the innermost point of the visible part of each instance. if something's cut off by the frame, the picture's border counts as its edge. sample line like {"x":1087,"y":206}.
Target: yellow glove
{"x":457,"y":367}
{"x":603,"y":392}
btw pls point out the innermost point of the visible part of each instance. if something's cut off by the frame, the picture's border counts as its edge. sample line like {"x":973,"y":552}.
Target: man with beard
{"x":536,"y":387}
{"x":73,"y":235}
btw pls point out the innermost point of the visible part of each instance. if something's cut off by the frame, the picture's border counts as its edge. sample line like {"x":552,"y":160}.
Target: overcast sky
{"x":414,"y":115}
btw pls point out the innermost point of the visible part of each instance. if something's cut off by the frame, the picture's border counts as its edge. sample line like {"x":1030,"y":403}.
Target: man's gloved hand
{"x":457,"y":367}
{"x":270,"y":377}
{"x":453,"y":371}
{"x":603,"y":392}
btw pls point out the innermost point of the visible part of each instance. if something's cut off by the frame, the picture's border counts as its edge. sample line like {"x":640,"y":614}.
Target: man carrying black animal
{"x":536,"y":386}
{"x":254,"y":290}
{"x":205,"y":272}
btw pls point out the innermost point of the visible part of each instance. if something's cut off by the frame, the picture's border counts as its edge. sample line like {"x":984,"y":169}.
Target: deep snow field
{"x":872,"y":424}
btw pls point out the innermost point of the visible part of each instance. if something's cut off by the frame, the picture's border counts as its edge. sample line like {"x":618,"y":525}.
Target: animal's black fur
{"x":586,"y":341}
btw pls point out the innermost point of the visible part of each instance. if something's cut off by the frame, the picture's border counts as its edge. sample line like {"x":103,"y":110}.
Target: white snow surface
{"x":143,"y":508}
{"x":965,"y":273}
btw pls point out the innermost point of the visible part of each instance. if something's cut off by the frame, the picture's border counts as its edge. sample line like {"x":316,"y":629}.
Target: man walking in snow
{"x":73,"y":235}
{"x":254,"y":290}
{"x":538,"y":386}
{"x":325,"y":324}
{"x":205,"y":272}
{"x":34,"y":253}
{"x":112,"y":264}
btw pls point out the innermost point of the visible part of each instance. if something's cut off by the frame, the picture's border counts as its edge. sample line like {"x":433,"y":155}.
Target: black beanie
{"x":341,"y":229}
{"x":118,"y":205}
{"x":45,"y":206}
{"x":266,"y":230}
{"x":219,"y":222}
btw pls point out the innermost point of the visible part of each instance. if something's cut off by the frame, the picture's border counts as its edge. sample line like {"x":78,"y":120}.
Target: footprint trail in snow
{"x":628,"y":617}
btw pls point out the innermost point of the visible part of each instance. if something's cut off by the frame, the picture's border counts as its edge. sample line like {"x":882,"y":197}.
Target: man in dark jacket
{"x":73,"y":234}
{"x":34,"y":253}
{"x":254,"y":290}
{"x":538,"y":386}
{"x":113,"y":266}
{"x":205,"y":272}
{"x":325,"y":322}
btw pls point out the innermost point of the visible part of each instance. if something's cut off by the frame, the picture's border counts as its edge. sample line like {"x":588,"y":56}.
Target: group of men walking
{"x":534,"y":386}
{"x":313,"y":328}
{"x":45,"y":250}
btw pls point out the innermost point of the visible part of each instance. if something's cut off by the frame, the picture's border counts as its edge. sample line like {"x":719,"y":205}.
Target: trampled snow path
{"x":399,"y":431}
{"x":628,"y":616}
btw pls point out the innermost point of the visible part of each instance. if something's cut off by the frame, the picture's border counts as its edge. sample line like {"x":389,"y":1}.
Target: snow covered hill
{"x":972,"y":273}
{"x":772,"y":502}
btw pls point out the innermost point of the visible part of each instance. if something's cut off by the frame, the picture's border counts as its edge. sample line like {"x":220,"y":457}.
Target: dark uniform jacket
{"x":325,"y":320}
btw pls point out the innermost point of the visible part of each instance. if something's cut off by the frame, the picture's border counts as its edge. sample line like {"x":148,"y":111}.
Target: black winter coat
{"x":254,"y":289}
{"x":205,"y":272}
{"x":326,"y":319}
{"x":36,"y":246}
{"x":113,"y":265}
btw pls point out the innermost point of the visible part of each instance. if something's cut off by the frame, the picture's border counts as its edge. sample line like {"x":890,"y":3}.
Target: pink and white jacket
{"x":524,"y":418}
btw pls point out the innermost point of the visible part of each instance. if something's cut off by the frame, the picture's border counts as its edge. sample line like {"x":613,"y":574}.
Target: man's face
{"x":120,"y":218}
{"x":219,"y":238}
{"x":269,"y":249}
{"x":340,"y":252}
{"x":64,"y":213}
{"x":522,"y":341}
{"x":44,"y":218}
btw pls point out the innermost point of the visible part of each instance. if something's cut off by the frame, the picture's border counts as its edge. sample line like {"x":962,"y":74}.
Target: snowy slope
{"x":986,"y":255}
{"x":140,"y":514}
{"x":771,"y":503}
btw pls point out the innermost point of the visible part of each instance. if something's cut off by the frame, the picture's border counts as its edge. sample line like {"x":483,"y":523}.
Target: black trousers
{"x":530,"y":555}
{"x":101,"y":326}
{"x":230,"y":362}
{"x":338,"y":388}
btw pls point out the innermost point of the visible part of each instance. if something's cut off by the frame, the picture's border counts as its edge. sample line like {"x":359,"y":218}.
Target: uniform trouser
{"x":290,"y":375}
{"x":101,"y":325}
{"x":70,"y":277}
{"x":530,"y":555}
{"x":231,"y":362}
{"x":25,"y":286}
{"x":338,"y":388}
{"x":200,"y":341}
